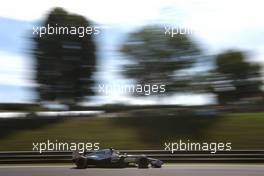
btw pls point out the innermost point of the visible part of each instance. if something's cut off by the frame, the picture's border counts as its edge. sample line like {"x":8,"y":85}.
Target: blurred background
{"x":49,"y":85}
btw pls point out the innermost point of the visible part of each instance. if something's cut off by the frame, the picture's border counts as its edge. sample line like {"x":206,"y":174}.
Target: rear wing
{"x":76,"y":155}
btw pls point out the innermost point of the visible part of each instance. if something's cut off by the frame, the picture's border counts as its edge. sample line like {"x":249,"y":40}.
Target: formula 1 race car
{"x":112,"y":158}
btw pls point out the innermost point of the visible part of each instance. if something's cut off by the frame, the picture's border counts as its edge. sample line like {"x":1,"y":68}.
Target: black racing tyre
{"x":121,"y":163}
{"x":143,"y":163}
{"x":81,"y":163}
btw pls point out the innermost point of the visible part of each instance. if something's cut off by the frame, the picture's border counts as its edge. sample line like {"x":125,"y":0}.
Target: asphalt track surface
{"x":167,"y":170}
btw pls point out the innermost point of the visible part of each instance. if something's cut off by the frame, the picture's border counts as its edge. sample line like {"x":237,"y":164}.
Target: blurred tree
{"x":64,"y":63}
{"x":235,"y":78}
{"x":160,"y":59}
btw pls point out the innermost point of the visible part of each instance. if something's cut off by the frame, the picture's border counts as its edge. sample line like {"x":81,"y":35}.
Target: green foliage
{"x":157,"y":59}
{"x":64,"y":63}
{"x":235,"y":78}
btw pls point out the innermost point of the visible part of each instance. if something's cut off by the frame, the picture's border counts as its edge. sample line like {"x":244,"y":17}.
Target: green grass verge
{"x":137,"y":131}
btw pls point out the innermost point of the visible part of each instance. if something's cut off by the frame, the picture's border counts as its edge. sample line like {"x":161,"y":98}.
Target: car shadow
{"x":104,"y":167}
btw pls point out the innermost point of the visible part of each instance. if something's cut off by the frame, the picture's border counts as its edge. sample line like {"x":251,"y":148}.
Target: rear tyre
{"x":121,"y":163}
{"x":81,"y":163}
{"x":143,"y":163}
